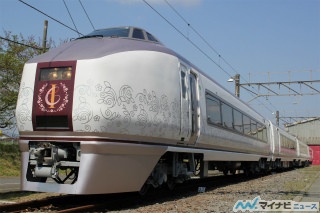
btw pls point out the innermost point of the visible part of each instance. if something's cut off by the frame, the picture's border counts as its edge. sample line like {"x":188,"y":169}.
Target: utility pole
{"x":236,"y":80}
{"x":277,"y":117}
{"x":44,"y":39}
{"x":237,"y":84}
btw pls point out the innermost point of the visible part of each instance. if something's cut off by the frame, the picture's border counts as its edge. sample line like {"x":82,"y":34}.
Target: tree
{"x":14,"y":52}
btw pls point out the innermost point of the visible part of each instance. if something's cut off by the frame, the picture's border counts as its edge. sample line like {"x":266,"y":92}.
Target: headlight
{"x":57,"y":73}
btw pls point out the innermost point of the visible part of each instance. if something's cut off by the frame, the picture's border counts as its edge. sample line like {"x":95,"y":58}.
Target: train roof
{"x":103,"y":42}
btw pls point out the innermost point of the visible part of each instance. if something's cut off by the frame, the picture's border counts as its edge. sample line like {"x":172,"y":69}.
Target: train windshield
{"x":111,"y":32}
{"x":123,"y":32}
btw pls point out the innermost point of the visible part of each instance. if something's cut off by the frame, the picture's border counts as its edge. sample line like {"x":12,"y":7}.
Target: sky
{"x":262,"y":40}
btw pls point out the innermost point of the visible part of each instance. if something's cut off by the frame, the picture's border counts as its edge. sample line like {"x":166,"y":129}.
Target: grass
{"x":9,"y":159}
{"x":12,"y":196}
{"x":10,"y":162}
{"x":10,"y":167}
{"x":298,"y":187}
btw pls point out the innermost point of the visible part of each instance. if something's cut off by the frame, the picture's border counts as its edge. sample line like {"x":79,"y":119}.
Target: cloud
{"x":187,"y":3}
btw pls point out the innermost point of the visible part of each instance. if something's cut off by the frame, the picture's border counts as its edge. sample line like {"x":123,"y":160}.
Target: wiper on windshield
{"x":91,"y":36}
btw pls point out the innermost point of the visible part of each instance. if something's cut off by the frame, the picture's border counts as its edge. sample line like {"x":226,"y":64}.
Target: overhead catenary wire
{"x":19,"y":43}
{"x":50,"y":17}
{"x":86,"y":14}
{"x":186,"y":37}
{"x":215,"y":51}
{"x":74,"y":24}
{"x":197,"y":47}
{"x":202,"y":38}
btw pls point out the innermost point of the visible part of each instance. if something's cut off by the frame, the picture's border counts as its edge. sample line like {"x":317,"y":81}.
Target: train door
{"x":190,"y":117}
{"x":184,"y":100}
{"x":194,"y":108}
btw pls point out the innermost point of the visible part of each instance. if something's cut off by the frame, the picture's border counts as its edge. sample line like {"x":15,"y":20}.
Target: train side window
{"x":283,"y":141}
{"x":237,"y":119}
{"x":227,"y":118}
{"x":293,"y":144}
{"x":260,"y":131}
{"x":264,"y":134}
{"x":254,"y":130}
{"x":246,"y":125}
{"x":183,"y":85}
{"x":137,"y":33}
{"x":213,"y":110}
{"x":287,"y":142}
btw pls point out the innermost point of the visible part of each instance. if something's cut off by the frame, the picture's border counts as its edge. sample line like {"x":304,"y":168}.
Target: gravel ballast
{"x":289,"y":185}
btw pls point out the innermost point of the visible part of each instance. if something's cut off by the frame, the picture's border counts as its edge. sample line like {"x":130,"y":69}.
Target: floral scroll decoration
{"x":126,"y":111}
{"x":24,"y":106}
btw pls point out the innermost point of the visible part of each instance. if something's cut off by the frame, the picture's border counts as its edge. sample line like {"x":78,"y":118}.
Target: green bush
{"x":9,"y":147}
{"x":9,"y":159}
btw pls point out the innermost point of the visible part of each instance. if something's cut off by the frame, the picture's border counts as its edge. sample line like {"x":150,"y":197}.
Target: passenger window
{"x":227,"y":117}
{"x":137,"y":34}
{"x":246,"y":125}
{"x":237,"y":119}
{"x":284,"y":141}
{"x":264,"y":134}
{"x":254,"y":130}
{"x":183,"y":85}
{"x":213,"y":110}
{"x":220,"y":113}
{"x":293,"y":144}
{"x":260,"y":131}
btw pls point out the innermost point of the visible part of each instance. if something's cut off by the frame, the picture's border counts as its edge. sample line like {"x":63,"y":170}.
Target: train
{"x":117,"y":111}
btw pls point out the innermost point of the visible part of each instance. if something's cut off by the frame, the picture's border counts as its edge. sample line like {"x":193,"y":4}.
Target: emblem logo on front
{"x":53,"y":97}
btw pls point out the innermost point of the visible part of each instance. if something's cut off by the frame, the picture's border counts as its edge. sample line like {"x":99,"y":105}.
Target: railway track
{"x":69,"y":203}
{"x":87,"y":203}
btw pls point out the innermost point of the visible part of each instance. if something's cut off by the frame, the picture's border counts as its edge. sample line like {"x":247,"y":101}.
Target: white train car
{"x":285,"y":150}
{"x":116,"y":111}
{"x":304,"y":154}
{"x":229,"y":124}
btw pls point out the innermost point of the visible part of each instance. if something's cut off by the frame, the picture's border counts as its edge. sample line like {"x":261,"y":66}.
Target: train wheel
{"x":225,"y":172}
{"x":247,"y":172}
{"x":171,"y":184}
{"x":144,"y":190}
{"x":233,"y":171}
